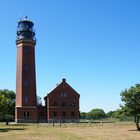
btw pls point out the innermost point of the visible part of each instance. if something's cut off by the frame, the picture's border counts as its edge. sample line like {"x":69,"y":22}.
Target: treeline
{"x":99,"y":114}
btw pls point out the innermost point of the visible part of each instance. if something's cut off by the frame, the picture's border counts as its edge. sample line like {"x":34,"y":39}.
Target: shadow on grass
{"x":134,"y":130}
{"x":10,"y":129}
{"x":20,"y":124}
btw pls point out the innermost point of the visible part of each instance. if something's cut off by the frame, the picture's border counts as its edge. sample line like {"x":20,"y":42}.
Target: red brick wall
{"x":26,"y":80}
{"x":25,"y":77}
{"x":22,"y":117}
{"x":18,"y":77}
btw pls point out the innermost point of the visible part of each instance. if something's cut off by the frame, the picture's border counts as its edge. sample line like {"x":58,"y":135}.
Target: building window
{"x":63,"y":104}
{"x":26,"y":114}
{"x":54,"y":114}
{"x":72,"y":114}
{"x":63,"y":113}
{"x":63,"y":95}
{"x":26,"y":99}
{"x":73,"y":104}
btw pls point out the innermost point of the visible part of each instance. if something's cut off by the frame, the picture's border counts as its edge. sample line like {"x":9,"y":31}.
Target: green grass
{"x":118,"y":131}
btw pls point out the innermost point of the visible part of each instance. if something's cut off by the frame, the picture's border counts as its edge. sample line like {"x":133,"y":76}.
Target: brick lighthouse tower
{"x":26,"y":108}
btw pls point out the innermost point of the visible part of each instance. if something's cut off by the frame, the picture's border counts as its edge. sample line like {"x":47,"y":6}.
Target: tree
{"x":39,"y":101}
{"x":115,"y":114}
{"x":131,"y":100}
{"x":118,"y":114}
{"x":7,"y":105}
{"x":97,"y":114}
{"x":110,"y":114}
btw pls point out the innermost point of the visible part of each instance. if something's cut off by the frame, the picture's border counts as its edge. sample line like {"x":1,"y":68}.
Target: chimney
{"x":63,"y":80}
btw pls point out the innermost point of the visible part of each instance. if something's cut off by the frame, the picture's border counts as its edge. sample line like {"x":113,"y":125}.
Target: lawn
{"x":119,"y":131}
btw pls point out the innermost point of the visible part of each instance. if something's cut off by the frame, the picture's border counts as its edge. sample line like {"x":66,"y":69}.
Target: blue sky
{"x":94,"y":44}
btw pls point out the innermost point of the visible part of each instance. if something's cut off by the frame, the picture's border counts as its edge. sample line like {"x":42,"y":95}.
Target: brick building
{"x":61,"y":104}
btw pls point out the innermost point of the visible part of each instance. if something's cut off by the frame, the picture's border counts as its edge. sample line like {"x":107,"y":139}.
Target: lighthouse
{"x":26,"y":98}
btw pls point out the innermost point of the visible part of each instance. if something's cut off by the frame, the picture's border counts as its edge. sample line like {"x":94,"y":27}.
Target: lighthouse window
{"x":25,"y":66}
{"x":27,"y":26}
{"x":26,"y":50}
{"x":30,"y":29}
{"x":26,"y":98}
{"x":26,"y":83}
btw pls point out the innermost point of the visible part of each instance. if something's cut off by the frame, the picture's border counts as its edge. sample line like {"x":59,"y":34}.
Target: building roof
{"x":62,"y":84}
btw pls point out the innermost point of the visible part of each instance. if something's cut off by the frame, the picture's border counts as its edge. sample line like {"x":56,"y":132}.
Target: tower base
{"x":26,"y":114}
